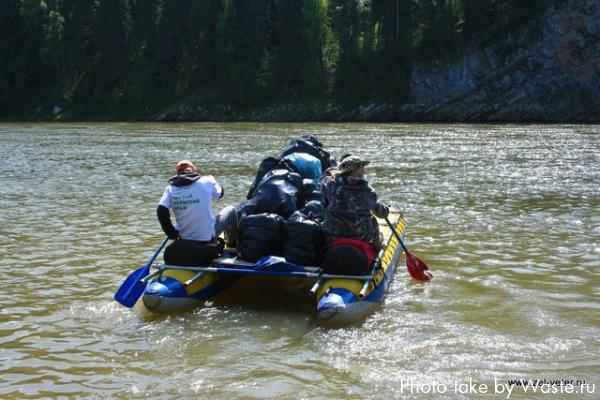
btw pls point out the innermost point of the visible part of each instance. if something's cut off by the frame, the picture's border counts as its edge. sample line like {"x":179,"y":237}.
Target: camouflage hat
{"x":351,"y":164}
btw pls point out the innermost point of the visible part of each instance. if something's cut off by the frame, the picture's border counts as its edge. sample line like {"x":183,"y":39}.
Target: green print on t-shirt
{"x":181,"y":202}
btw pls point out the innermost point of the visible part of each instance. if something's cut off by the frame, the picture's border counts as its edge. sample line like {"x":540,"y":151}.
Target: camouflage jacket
{"x":349,"y":202}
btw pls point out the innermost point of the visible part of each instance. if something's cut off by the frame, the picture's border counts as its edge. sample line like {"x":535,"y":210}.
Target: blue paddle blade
{"x":132,"y":289}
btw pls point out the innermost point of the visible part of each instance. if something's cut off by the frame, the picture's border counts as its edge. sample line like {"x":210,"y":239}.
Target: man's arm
{"x":217,"y":190}
{"x":164,"y":218}
{"x":378,"y":208}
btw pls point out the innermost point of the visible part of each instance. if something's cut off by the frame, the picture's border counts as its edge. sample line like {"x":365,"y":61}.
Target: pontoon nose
{"x":162,"y":295}
{"x":329,"y":306}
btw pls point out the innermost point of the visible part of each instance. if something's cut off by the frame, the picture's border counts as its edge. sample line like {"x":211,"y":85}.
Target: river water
{"x":507,"y":217}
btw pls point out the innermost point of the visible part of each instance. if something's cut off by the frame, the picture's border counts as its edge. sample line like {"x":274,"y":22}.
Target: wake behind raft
{"x":282,"y":194}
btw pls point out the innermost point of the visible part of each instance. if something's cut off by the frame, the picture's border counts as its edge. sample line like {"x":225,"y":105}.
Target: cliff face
{"x":550,"y":74}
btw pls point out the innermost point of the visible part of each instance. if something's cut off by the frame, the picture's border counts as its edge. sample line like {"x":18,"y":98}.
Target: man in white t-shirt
{"x":190,"y":197}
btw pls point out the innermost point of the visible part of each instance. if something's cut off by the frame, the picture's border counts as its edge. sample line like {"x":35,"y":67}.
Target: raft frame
{"x":340,"y":297}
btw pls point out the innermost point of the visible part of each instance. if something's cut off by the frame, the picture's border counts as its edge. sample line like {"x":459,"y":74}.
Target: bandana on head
{"x":185,"y":167}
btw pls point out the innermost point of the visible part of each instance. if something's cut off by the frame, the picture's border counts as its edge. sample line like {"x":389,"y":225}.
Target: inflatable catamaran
{"x":280,"y":235}
{"x":338,"y":298}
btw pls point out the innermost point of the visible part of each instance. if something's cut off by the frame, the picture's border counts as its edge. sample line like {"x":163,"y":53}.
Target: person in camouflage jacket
{"x":350,"y":203}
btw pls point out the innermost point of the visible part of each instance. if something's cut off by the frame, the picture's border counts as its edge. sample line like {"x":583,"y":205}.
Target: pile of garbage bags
{"x":284,"y":209}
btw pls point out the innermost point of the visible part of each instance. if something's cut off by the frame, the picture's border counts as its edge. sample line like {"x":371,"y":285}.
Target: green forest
{"x":131,"y":58}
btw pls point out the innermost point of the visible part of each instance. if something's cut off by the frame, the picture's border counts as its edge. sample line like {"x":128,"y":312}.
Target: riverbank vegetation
{"x":132,"y":59}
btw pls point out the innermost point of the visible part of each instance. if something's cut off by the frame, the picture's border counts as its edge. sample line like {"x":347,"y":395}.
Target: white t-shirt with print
{"x":192,"y":206}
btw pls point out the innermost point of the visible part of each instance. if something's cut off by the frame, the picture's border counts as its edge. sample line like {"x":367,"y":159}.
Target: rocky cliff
{"x":550,"y":73}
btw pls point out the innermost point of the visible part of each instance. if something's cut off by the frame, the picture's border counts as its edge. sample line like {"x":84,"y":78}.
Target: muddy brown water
{"x":507,"y":217}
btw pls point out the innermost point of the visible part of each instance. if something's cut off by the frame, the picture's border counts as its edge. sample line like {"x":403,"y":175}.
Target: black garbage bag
{"x":277,"y":193}
{"x":267,"y":165}
{"x":191,"y":253}
{"x":313,"y":139}
{"x":304,"y":240}
{"x":314,"y":210}
{"x":243,"y":209}
{"x":260,"y":235}
{"x":310,"y":192}
{"x":305,"y":144}
{"x":345,"y":260}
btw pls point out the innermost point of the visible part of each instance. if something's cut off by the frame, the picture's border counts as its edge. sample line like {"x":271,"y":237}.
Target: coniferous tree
{"x":317,"y":33}
{"x":226,"y":34}
{"x":394,"y":19}
{"x":142,"y":54}
{"x":254,"y":29}
{"x":109,"y":47}
{"x":345,"y":18}
{"x":76,"y":43}
{"x":52,"y":51}
{"x":11,"y":42}
{"x":478,"y":16}
{"x":171,"y":29}
{"x":33,"y":16}
{"x":438,"y":28}
{"x":201,"y":57}
{"x":289,"y":49}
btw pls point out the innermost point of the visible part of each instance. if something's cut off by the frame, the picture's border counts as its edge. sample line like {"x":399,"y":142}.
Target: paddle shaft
{"x":157,"y":252}
{"x":396,"y":234}
{"x":148,"y":264}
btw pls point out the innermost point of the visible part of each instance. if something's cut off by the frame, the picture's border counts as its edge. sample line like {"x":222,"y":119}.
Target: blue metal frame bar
{"x":246,"y":271}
